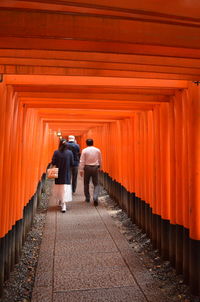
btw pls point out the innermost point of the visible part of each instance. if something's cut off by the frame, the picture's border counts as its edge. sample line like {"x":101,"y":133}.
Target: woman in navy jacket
{"x":63,"y":160}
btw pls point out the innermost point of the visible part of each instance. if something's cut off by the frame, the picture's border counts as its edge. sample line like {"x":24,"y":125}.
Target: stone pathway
{"x":84,"y":257}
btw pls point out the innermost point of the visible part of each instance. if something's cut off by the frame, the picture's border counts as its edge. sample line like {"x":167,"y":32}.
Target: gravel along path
{"x":18,"y":288}
{"x":170,"y":283}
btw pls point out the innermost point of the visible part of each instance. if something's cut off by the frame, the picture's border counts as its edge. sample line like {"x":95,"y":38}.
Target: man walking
{"x":90,"y":162}
{"x":74,"y":147}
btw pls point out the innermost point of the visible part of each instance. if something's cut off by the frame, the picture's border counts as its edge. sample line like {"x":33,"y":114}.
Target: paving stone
{"x":75,"y":227}
{"x":82,"y":234}
{"x":75,"y":208}
{"x":118,"y":238}
{"x":47,"y":246}
{"x":82,"y":213}
{"x":50,"y":220}
{"x":103,"y":245}
{"x":122,"y":245}
{"x":51,"y":214}
{"x":81,"y":261}
{"x":143,"y":277}
{"x":50,"y":230}
{"x":116,"y":235}
{"x":85,"y":257}
{"x":122,"y":294}
{"x":45,"y":253}
{"x":43,"y":278}
{"x":65,"y":220}
{"x":52,"y":209}
{"x":42,"y":294}
{"x":45,"y":263}
{"x":52,"y":202}
{"x":82,"y":207}
{"x":105,"y":216}
{"x":133,"y":261}
{"x":98,"y":278}
{"x":49,"y":236}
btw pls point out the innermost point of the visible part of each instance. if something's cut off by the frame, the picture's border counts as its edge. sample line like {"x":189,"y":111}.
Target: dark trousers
{"x":74,"y":174}
{"x":91,"y":172}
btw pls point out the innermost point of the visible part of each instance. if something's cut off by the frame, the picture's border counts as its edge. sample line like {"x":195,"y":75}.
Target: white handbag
{"x":52,"y":173}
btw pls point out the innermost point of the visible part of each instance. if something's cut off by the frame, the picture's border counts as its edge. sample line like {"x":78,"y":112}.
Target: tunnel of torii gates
{"x":124,"y":73}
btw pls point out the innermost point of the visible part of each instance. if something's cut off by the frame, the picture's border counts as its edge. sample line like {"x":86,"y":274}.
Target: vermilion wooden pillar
{"x":194,"y":187}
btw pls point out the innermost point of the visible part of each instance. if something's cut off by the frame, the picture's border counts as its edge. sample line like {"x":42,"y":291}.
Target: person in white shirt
{"x":90,"y":162}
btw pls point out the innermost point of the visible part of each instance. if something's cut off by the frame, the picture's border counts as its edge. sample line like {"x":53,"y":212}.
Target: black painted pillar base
{"x":18,"y":245}
{"x":179,"y":249}
{"x":186,"y":254}
{"x":165,"y":226}
{"x":11,"y":244}
{"x":132,"y":207}
{"x":2,"y":263}
{"x":194,"y":270}
{"x":158,"y":232}
{"x":172,"y":244}
{"x":7,"y":256}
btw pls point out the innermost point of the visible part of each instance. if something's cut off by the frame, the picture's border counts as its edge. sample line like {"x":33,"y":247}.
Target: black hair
{"x":89,"y":142}
{"x":62,"y":145}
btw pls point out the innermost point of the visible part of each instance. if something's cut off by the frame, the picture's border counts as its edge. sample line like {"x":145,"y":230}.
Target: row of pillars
{"x":172,"y":241}
{"x":11,"y":244}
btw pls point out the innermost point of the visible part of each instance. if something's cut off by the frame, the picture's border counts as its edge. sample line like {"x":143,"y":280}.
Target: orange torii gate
{"x":124,"y":73}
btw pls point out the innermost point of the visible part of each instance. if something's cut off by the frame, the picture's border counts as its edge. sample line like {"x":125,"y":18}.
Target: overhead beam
{"x":98,"y":81}
{"x":17,"y":66}
{"x":91,"y":97}
{"x":152,"y":9}
{"x":81,"y":56}
{"x":62,"y":71}
{"x":114,"y":90}
{"x":96,"y":46}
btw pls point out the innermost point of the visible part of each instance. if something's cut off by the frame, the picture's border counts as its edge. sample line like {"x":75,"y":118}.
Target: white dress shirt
{"x":90,"y":156}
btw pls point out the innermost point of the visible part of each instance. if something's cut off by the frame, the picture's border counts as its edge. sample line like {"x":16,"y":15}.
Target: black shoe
{"x":96,"y":202}
{"x":87,"y":200}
